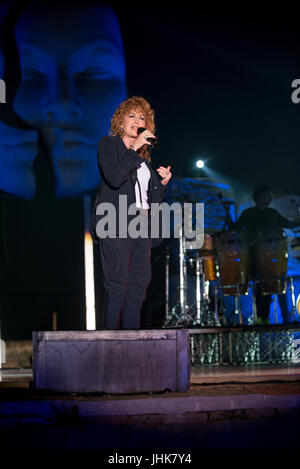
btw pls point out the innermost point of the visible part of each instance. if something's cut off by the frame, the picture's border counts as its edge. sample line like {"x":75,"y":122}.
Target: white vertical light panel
{"x":89,"y":268}
{"x":0,"y":349}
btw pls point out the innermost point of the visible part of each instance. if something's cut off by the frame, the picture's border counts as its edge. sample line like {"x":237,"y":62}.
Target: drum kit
{"x":229,"y":263}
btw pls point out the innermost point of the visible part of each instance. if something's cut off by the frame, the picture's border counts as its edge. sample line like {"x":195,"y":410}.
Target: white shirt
{"x":143,"y":177}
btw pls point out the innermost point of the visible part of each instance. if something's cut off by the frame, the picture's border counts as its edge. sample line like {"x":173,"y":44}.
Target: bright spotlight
{"x":200,"y":164}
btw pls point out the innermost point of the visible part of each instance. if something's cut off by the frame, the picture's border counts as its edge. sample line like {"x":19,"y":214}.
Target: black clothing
{"x":254,"y":219}
{"x":127,"y":273}
{"x":118,"y":168}
{"x":126,"y":262}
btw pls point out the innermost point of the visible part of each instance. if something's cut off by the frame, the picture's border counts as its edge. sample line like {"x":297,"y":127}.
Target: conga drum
{"x":207,"y":252}
{"x":233,"y":262}
{"x":269,"y":248}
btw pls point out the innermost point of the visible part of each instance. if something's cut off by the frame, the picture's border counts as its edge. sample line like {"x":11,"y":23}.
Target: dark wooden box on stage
{"x":111,"y":361}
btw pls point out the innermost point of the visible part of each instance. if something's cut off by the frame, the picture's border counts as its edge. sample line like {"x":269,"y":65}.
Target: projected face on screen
{"x":18,"y":147}
{"x":73,"y":78}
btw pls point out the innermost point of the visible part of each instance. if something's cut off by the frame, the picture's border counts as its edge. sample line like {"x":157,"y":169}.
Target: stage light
{"x":89,"y":283}
{"x":89,"y":270}
{"x":200,"y":164}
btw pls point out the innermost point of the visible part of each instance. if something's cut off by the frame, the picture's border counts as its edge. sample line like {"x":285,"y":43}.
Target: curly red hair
{"x":135,"y":103}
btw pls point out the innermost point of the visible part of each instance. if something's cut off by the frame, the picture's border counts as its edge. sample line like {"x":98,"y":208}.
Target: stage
{"x":206,"y":374}
{"x":226,"y":407}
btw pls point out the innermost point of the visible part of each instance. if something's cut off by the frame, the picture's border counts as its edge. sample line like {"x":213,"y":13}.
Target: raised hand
{"x":165,"y":173}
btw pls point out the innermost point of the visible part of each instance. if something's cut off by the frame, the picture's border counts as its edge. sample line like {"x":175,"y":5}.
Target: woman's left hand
{"x":165,"y":173}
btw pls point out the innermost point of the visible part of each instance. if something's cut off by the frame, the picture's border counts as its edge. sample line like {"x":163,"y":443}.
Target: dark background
{"x":220,"y":83}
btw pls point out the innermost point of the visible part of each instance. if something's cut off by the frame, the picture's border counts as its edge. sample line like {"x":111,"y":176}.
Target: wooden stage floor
{"x":229,"y":407}
{"x":205,"y":374}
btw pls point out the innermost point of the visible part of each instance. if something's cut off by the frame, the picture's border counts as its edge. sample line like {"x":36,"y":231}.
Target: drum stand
{"x":254,"y":308}
{"x":204,"y":315}
{"x":238,"y":317}
{"x":237,"y":313}
{"x":199,"y":272}
{"x":179,"y":314}
{"x":237,"y":306}
{"x":199,"y":313}
{"x":290,"y":282}
{"x":291,"y":288}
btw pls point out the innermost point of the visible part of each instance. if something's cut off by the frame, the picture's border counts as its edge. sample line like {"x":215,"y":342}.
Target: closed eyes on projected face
{"x":18,"y":147}
{"x":72,"y":82}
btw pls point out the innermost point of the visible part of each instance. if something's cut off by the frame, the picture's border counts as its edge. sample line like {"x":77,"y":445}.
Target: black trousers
{"x":126,"y":268}
{"x":263,"y":303}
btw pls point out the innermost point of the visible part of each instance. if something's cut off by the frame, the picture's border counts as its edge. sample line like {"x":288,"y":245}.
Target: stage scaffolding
{"x":244,"y":345}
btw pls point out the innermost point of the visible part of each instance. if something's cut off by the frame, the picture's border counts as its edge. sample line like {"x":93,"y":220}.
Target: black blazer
{"x":118,"y":169}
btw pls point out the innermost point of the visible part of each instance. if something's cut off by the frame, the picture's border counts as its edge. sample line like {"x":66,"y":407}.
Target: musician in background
{"x":261,"y":215}
{"x":252,"y":219}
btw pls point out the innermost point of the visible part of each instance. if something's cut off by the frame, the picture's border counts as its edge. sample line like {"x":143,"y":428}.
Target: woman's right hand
{"x":141,"y":140}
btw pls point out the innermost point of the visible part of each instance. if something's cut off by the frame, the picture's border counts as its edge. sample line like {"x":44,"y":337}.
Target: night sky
{"x":220,"y":83}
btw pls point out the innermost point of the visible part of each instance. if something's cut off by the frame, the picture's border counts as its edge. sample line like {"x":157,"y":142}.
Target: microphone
{"x":151,"y":140}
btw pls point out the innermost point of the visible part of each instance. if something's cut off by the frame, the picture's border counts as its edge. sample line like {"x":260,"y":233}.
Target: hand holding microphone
{"x":145,"y":137}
